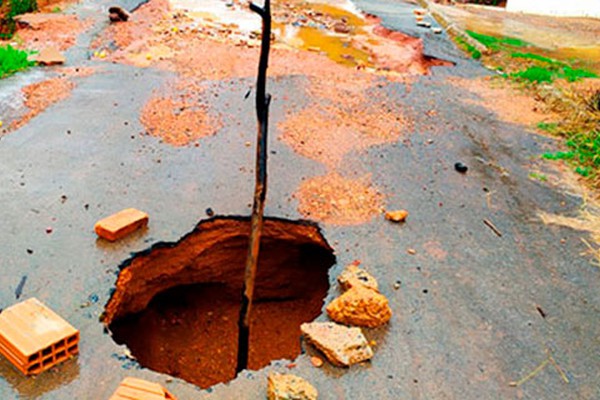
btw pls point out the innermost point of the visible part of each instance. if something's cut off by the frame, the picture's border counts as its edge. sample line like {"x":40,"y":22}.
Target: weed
{"x":536,"y":57}
{"x":550,"y":127}
{"x":13,"y":60}
{"x":538,"y":176}
{"x":495,"y":43}
{"x":462,"y":43}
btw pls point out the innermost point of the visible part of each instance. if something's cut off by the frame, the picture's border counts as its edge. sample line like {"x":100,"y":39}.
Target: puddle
{"x":176,"y":306}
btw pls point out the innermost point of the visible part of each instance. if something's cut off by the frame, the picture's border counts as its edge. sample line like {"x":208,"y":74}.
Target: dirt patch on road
{"x":41,"y":95}
{"x":334,"y":199}
{"x":181,"y":117}
{"x":342,"y":118}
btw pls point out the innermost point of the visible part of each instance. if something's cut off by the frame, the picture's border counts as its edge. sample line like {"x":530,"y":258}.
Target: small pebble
{"x":460,"y":167}
{"x":436,"y":30}
{"x":209,"y":211}
{"x":49,"y":229}
{"x":411,"y":251}
{"x":316,"y":362}
{"x":291,"y":365}
{"x":397,"y":285}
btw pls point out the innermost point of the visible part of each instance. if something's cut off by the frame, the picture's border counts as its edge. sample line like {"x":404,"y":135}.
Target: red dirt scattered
{"x":334,"y":199}
{"x":179,"y":120}
{"x":50,"y":30}
{"x":41,"y":95}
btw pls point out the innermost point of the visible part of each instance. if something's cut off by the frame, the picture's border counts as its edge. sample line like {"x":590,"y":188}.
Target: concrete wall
{"x":564,"y":8}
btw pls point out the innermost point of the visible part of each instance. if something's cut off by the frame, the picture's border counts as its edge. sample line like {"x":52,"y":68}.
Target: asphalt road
{"x":465,"y":320}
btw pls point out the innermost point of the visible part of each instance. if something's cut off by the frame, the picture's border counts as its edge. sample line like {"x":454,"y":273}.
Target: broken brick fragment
{"x":360,"y":306}
{"x":34,"y":338}
{"x":289,"y":387}
{"x":139,"y":389}
{"x":343,"y":346}
{"x":353,"y":276}
{"x":396,"y":216}
{"x":121,"y":224}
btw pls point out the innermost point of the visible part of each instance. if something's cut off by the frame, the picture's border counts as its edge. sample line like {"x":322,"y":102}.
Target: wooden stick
{"x":260,"y":189}
{"x":492,"y":227}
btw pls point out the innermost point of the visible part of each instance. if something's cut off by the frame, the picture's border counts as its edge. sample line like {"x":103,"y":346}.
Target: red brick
{"x":121,"y":224}
{"x":139,"y":389}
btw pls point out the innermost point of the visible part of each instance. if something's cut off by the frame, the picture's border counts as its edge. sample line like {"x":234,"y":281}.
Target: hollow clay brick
{"x":289,"y":387}
{"x":139,"y":389}
{"x":121,"y":224}
{"x":343,"y":346}
{"x":34,"y":338}
{"x":353,"y":276}
{"x":360,"y":306}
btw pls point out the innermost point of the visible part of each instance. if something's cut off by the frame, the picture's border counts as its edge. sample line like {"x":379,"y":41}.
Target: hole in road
{"x":176,"y":306}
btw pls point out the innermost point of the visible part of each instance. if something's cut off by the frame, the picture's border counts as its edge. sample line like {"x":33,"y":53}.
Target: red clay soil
{"x":191,"y":331}
{"x":49,"y":30}
{"x":41,"y":95}
{"x":333,"y":199}
{"x":340,"y":120}
{"x":178,"y":122}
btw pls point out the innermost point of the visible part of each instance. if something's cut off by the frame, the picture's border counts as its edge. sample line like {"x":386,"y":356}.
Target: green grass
{"x":13,"y":60}
{"x":497,"y":43}
{"x":462,"y":43}
{"x":583,"y":154}
{"x":538,"y":176}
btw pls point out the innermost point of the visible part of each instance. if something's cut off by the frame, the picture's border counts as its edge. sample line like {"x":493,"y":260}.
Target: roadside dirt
{"x":509,"y":104}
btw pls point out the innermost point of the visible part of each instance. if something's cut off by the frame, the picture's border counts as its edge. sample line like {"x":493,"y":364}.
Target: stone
{"x":117,"y":14}
{"x":396,"y":216}
{"x":360,"y":306}
{"x":49,"y":56}
{"x":353,"y":276}
{"x":340,"y":27}
{"x":343,"y":346}
{"x":289,"y":387}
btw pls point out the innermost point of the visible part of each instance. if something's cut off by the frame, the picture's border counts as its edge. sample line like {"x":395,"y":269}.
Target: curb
{"x":450,"y":27}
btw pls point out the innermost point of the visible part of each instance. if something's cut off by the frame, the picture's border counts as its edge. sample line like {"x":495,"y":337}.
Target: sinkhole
{"x":176,"y":305}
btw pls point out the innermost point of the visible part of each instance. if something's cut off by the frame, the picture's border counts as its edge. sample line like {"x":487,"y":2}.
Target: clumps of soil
{"x":180,"y":118}
{"x":334,"y":199}
{"x":41,"y":95}
{"x":509,"y":105}
{"x":40,"y":30}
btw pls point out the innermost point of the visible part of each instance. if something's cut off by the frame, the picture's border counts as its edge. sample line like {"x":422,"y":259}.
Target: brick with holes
{"x":34,"y":338}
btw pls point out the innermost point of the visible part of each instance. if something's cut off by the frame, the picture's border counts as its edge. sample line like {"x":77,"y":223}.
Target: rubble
{"x":117,"y":14}
{"x":396,"y":216}
{"x":361,"y":307}
{"x":289,"y":387}
{"x":139,"y":389}
{"x":49,"y":56}
{"x":343,"y":346}
{"x":353,"y":276}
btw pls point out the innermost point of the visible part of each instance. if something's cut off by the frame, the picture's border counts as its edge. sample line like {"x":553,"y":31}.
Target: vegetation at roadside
{"x":9,"y":9}
{"x":13,"y":60}
{"x":543,"y":77}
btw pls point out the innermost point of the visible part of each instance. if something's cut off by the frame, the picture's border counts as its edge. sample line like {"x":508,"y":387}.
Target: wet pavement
{"x":465,"y":321}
